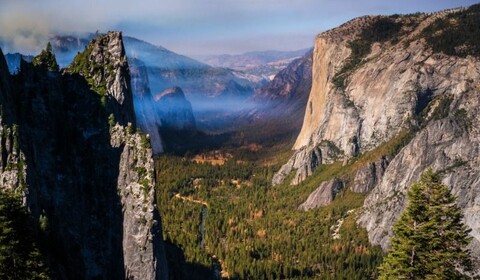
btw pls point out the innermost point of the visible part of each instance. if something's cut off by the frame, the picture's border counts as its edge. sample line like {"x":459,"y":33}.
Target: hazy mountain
{"x":166,"y":69}
{"x":158,"y":56}
{"x":13,"y":61}
{"x":66,"y":47}
{"x":166,"y":110}
{"x":212,"y":91}
{"x":259,"y":67}
{"x":279,"y":106}
{"x":251,"y":59}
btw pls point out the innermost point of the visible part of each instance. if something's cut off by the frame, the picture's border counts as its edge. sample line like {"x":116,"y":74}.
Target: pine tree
{"x":46,"y":59}
{"x":19,"y":255}
{"x":429,"y":238}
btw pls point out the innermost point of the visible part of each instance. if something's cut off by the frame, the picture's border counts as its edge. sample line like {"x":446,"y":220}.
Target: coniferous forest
{"x":229,"y":221}
{"x":230,"y":218}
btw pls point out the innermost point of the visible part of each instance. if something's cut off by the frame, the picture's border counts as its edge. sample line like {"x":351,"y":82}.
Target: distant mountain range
{"x":279,"y":106}
{"x":219,"y":88}
{"x":212,"y":91}
{"x":251,"y":59}
{"x":158,"y":56}
{"x":261,"y":66}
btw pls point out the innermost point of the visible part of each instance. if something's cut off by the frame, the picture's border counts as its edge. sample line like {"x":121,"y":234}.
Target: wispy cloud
{"x":192,"y":26}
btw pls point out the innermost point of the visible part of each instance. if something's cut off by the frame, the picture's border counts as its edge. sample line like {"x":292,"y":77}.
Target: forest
{"x":229,"y":221}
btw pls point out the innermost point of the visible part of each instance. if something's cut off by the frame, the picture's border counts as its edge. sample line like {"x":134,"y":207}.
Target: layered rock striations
{"x":373,"y":79}
{"x":70,"y":146}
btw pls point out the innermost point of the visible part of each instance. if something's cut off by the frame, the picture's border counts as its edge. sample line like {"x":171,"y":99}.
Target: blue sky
{"x":196,"y":27}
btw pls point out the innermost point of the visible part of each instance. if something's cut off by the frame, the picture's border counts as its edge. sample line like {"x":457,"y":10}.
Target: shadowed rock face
{"x":166,"y":110}
{"x":278,"y":107}
{"x":399,"y":85}
{"x":147,"y":118}
{"x":13,"y":61}
{"x":174,"y":111}
{"x":75,"y":156}
{"x":368,"y":176}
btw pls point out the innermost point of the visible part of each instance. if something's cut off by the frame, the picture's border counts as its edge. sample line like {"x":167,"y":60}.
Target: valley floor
{"x":228,"y":221}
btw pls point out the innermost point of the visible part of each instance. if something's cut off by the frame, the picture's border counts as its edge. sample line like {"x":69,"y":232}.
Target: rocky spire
{"x":104,"y":65}
{"x":72,"y":146}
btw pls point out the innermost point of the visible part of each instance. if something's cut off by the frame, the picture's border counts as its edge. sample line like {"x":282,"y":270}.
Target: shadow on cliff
{"x":71,"y":173}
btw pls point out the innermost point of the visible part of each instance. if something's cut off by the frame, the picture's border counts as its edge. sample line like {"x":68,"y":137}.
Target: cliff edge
{"x":376,"y":79}
{"x":70,"y":147}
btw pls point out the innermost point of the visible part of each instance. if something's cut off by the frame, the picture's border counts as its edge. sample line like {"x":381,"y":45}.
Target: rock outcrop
{"x":323,"y":195}
{"x":402,"y":83}
{"x":329,"y":116}
{"x":174,"y":110}
{"x":104,"y":65}
{"x":448,"y":148}
{"x":368,"y":176}
{"x":306,"y":160}
{"x":70,"y":146}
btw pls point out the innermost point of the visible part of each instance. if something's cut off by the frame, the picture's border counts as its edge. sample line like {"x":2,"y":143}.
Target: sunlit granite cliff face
{"x":70,"y":146}
{"x":375,"y":79}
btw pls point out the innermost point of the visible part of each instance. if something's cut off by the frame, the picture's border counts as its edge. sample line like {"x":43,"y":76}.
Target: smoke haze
{"x":194,"y":27}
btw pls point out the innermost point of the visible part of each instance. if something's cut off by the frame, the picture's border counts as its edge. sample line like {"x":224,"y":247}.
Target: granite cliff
{"x":70,"y":147}
{"x":167,"y":110}
{"x":376,"y":79}
{"x":174,"y":110}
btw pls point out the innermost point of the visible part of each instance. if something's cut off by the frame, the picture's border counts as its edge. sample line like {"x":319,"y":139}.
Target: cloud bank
{"x":194,"y":27}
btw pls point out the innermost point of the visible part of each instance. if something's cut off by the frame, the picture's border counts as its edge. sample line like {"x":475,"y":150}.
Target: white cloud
{"x":194,"y":26}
